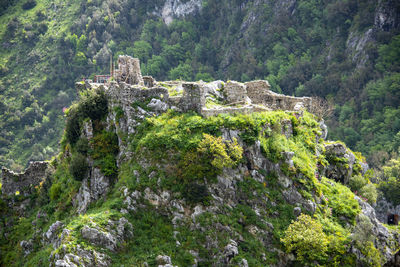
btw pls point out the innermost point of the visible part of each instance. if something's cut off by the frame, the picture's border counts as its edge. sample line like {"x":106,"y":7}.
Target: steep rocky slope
{"x":142,"y":183}
{"x":342,"y":50}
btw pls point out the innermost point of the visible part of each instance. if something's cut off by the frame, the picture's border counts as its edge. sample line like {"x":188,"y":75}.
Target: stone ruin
{"x":130,"y":86}
{"x":128,"y":71}
{"x":26,"y":181}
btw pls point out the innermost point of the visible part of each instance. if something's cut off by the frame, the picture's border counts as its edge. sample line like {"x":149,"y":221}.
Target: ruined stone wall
{"x":127,"y":94}
{"x":256,"y":89}
{"x":128,"y":71}
{"x":193,"y":97}
{"x":25,"y":182}
{"x":284,"y":102}
{"x":235,"y":92}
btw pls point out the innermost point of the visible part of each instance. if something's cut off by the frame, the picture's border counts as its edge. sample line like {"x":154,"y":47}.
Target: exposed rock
{"x":243,"y":263}
{"x":88,"y":129}
{"x":52,"y":234}
{"x":341,"y":162}
{"x":387,"y":15}
{"x":385,"y":240}
{"x":230,"y":251}
{"x":158,"y":105}
{"x":99,"y":238}
{"x":324,"y":129}
{"x":89,"y":192}
{"x":178,"y":8}
{"x":27,"y":246}
{"x":383,"y":209}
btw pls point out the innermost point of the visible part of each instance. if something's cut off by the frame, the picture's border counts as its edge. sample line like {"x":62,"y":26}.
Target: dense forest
{"x":345,"y":51}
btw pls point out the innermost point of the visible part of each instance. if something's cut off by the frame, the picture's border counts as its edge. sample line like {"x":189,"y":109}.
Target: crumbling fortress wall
{"x":128,"y":71}
{"x":24,"y":182}
{"x":130,"y":87}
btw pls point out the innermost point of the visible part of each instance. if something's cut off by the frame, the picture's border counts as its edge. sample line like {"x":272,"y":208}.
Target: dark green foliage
{"x":82,"y":146}
{"x":92,"y":105}
{"x":196,"y":193}
{"x":29,"y":4}
{"x":390,"y":181}
{"x":78,"y":166}
{"x":104,"y":152}
{"x":73,"y":127}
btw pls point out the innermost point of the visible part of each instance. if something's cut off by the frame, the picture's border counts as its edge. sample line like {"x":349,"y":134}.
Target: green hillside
{"x":345,"y":51}
{"x":228,"y":190}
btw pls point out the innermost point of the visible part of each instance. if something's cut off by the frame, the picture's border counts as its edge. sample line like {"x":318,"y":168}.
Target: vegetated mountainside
{"x":142,"y":184}
{"x":346,"y":51}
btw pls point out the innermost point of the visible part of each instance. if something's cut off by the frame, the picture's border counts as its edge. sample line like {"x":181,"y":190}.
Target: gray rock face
{"x":99,"y":238}
{"x":341,"y":162}
{"x":25,"y":182}
{"x":158,"y":105}
{"x":178,"y":8}
{"x":387,"y":15}
{"x":164,"y":261}
{"x":384,"y":241}
{"x":52,"y":234}
{"x":230,"y":251}
{"x":324,"y":129}
{"x":109,"y":238}
{"x":383,"y":208}
{"x":27,"y":246}
{"x":89,"y":192}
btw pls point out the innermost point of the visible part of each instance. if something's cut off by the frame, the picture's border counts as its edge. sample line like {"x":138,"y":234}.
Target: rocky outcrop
{"x":93,"y":187}
{"x":109,"y":237}
{"x":36,"y":173}
{"x":383,"y":209}
{"x":384,"y":240}
{"x":341,"y":161}
{"x":178,"y":8}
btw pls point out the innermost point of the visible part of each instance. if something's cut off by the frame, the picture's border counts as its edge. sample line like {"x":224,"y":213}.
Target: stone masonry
{"x":128,"y":71}
{"x":24,"y":182}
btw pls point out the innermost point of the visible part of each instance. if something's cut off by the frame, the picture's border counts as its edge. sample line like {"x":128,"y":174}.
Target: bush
{"x":369,"y":192}
{"x":55,"y":191}
{"x":306,"y":239}
{"x":195,"y":193}
{"x":78,"y":166}
{"x":357,"y":182}
{"x":82,"y":146}
{"x":73,"y":126}
{"x":223,"y":154}
{"x":29,"y":4}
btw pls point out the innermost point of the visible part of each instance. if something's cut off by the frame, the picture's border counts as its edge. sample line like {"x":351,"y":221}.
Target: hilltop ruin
{"x":127,"y":85}
{"x":129,"y":91}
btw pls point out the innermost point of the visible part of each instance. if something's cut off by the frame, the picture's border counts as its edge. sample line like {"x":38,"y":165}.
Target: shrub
{"x":73,"y":127}
{"x":196,"y":193}
{"x":306,"y":239}
{"x":82,"y":146}
{"x":55,"y":191}
{"x":29,"y":4}
{"x":369,"y":192}
{"x":364,"y":238}
{"x":221,"y":153}
{"x":78,"y":166}
{"x":357,"y":182}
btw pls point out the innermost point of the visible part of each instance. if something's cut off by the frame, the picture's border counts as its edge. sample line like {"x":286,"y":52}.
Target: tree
{"x":306,"y":239}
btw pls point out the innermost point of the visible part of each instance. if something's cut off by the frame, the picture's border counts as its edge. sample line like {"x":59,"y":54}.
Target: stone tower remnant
{"x":128,"y":71}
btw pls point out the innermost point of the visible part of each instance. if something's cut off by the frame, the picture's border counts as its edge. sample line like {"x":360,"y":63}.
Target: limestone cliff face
{"x":178,"y":8}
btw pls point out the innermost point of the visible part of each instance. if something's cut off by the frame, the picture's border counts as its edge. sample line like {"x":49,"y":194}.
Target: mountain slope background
{"x":344,"y":51}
